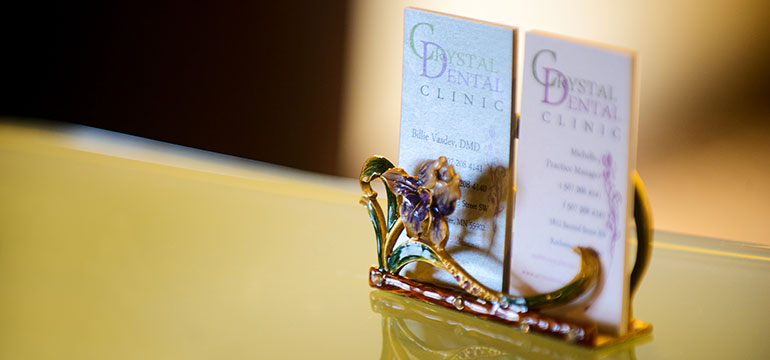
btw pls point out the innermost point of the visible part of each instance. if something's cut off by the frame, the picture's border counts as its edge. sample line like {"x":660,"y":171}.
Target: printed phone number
{"x":578,"y":189}
{"x":462,"y":164}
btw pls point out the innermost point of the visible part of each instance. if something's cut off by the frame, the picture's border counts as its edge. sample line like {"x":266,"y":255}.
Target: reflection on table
{"x":414,"y":330}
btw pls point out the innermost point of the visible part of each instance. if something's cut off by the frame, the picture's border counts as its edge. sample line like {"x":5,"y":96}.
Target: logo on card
{"x":580,"y":101}
{"x":469,"y":78}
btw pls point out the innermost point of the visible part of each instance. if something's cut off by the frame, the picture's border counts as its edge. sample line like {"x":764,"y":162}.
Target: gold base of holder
{"x":584,"y":334}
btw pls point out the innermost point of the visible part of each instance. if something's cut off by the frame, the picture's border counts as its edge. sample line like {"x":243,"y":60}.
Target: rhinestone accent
{"x":504,"y":303}
{"x":377,"y":278}
{"x":458,"y":303}
{"x":574,"y":335}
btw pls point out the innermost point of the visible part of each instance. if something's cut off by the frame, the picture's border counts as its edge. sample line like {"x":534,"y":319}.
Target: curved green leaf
{"x":373,"y":169}
{"x":643,"y":216}
{"x":370,"y":206}
{"x":584,"y":280}
{"x":412,"y":251}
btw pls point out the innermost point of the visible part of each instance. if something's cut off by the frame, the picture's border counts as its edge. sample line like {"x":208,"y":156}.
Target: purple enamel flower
{"x":427,"y":199}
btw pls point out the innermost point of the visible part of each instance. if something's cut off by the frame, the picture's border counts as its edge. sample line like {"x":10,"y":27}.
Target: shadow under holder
{"x":428,"y":234}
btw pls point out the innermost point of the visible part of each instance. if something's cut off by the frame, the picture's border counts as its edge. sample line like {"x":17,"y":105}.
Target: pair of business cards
{"x":573,"y":163}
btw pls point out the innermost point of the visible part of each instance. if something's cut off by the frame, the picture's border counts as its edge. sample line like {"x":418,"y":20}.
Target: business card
{"x":457,"y":101}
{"x":576,"y":152}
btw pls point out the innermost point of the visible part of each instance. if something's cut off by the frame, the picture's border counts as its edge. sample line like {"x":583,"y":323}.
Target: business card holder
{"x":420,"y":205}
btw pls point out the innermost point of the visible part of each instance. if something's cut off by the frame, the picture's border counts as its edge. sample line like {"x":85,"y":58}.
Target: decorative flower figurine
{"x":420,"y":205}
{"x":426,"y":200}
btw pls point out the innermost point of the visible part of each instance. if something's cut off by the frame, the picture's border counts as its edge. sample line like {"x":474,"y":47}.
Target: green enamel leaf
{"x":373,"y":169}
{"x":377,"y":231}
{"x":411,"y":251}
{"x":584,"y":280}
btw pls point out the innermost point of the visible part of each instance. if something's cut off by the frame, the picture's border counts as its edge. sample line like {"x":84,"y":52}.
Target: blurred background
{"x":316,"y":85}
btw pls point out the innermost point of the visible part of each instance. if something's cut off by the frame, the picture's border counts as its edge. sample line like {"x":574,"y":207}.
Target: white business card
{"x":576,"y":152}
{"x":457,"y":101}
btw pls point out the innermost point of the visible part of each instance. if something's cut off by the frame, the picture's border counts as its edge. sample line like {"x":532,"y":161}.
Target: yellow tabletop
{"x":115,"y":247}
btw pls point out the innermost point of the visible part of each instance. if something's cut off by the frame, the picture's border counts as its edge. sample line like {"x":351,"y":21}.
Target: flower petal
{"x":446,"y":191}
{"x":444,"y":198}
{"x":426,"y":173}
{"x":438,"y":230}
{"x":399,"y":182}
{"x":414,"y":213}
{"x":444,"y":171}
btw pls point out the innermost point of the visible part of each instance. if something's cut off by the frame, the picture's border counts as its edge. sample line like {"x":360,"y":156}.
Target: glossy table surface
{"x":114,"y":247}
